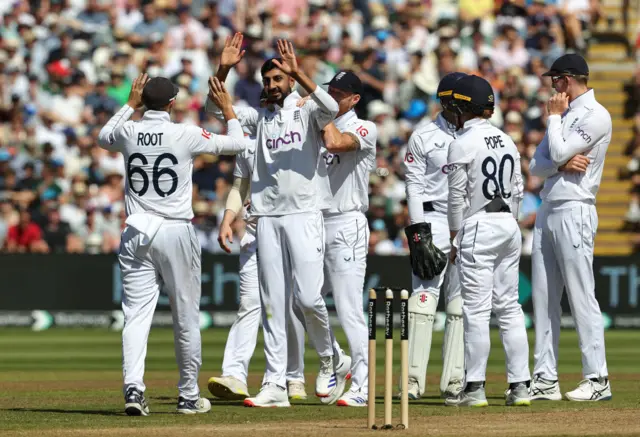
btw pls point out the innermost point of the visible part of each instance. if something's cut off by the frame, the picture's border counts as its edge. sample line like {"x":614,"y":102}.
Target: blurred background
{"x":67,"y":65}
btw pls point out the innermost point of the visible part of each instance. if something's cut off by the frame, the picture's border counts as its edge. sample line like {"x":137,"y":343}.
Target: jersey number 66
{"x":155,"y":176}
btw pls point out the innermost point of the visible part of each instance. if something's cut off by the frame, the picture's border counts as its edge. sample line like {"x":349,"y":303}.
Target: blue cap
{"x":49,"y":194}
{"x":4,"y":156}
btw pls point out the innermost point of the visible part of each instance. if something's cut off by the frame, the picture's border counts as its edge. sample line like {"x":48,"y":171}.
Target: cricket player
{"x":427,"y":188}
{"x":571,"y":158}
{"x":485,"y":171}
{"x":243,"y":335}
{"x":289,"y":191}
{"x":349,"y":154}
{"x":159,"y":248}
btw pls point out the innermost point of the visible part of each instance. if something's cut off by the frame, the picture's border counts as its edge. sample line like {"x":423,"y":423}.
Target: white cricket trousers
{"x":171,"y":262}
{"x":441,"y":239}
{"x":562,"y":258}
{"x":488,"y":261}
{"x":290,"y":266}
{"x":243,"y":334}
{"x":345,"y":265}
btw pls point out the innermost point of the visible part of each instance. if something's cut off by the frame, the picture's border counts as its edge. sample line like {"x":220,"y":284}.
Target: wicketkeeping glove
{"x":427,"y":261}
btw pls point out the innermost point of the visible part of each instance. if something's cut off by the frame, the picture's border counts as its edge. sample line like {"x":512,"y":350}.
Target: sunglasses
{"x":556,"y":79}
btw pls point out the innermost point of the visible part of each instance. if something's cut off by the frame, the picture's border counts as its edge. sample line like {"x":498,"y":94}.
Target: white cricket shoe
{"x":591,"y":391}
{"x":270,"y":396}
{"x":228,"y":387}
{"x":452,"y":390}
{"x":296,"y":390}
{"x":544,"y":390}
{"x":339,"y":379}
{"x":518,"y":396}
{"x":353,"y":399}
{"x":324,"y":386}
{"x":475,"y":398}
{"x":196,"y":406}
{"x":413,"y":389}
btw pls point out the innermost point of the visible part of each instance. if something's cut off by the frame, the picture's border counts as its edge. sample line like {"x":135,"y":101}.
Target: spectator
{"x":25,"y":236}
{"x":57,"y":234}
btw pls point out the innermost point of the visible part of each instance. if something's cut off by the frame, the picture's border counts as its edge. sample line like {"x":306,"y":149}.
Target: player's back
{"x":492,"y":164}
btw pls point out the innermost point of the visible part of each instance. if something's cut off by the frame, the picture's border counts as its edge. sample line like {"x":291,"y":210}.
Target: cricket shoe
{"x":471,"y":396}
{"x":517,"y":395}
{"x":452,"y":390}
{"x":590,"y":390}
{"x":296,"y":390}
{"x":228,"y":387}
{"x":195,"y":406}
{"x":353,"y":399}
{"x":339,"y":379}
{"x":270,"y":396}
{"x":135,"y":403}
{"x":325,"y":382}
{"x":413,"y":389}
{"x":544,"y":389}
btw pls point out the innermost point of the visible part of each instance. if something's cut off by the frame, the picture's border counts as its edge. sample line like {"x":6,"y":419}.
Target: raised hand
{"x":135,"y":95}
{"x":558,"y":104}
{"x":232,"y":53}
{"x":300,"y":103}
{"x":289,"y":63}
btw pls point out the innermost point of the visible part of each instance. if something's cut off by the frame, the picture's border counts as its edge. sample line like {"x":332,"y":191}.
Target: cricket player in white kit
{"x":289,"y":190}
{"x":427,"y":189}
{"x":571,"y":159}
{"x":159,"y":248}
{"x":485,"y":171}
{"x":349,"y":154}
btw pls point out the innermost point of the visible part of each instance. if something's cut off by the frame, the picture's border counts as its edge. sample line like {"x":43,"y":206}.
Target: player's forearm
{"x":457,"y":184}
{"x":336,"y":141}
{"x":238,"y":192}
{"x":105,"y":137}
{"x":561,"y":150}
{"x":325,"y":102}
{"x":223,"y":72}
{"x":414,"y":203}
{"x":229,"y":114}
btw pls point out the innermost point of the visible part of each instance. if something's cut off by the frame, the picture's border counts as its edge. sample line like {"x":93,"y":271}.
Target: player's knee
{"x":424,"y":303}
{"x":454,"y":307}
{"x":309,"y":302}
{"x":250,"y":302}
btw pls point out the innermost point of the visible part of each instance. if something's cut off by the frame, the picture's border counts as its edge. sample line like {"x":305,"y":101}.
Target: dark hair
{"x":269,"y":65}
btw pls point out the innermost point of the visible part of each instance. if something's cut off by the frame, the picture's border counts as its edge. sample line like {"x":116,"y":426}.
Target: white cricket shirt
{"x":349,"y":171}
{"x":159,"y":156}
{"x":484,"y":163}
{"x":585,"y":128}
{"x":426,"y":167}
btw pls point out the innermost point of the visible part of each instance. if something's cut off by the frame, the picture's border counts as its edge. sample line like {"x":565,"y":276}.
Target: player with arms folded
{"x":571,"y":158}
{"x":159,"y":248}
{"x":485,"y":172}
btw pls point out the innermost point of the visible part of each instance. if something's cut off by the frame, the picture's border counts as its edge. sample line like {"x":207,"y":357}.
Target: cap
{"x":158,"y":93}
{"x":474,"y":90}
{"x":445,"y":87}
{"x":346,"y":81}
{"x":569,"y":64}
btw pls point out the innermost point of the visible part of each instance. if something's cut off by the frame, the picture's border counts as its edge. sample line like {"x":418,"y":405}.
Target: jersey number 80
{"x":155,"y":176}
{"x":494,"y":174}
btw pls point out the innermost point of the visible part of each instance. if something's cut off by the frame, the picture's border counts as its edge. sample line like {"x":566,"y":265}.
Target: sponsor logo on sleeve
{"x":585,"y":136}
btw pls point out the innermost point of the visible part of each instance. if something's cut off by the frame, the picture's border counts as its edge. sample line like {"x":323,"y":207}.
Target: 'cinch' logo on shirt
{"x":286,"y":139}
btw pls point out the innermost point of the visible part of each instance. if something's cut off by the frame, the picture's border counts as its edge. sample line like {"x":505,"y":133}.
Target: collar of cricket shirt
{"x":583,"y":99}
{"x":444,"y":125}
{"x":341,"y":122}
{"x":469,"y":124}
{"x":150,"y":114}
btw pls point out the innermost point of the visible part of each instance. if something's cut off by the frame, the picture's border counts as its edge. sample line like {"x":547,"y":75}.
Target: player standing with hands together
{"x":485,"y":174}
{"x":159,"y":248}
{"x":571,"y":159}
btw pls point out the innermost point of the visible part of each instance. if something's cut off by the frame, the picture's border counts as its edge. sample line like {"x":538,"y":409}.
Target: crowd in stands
{"x":67,"y":65}
{"x":632,"y":150}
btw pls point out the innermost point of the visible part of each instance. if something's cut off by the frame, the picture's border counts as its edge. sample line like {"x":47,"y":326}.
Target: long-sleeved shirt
{"x":484,"y":163}
{"x":289,"y":175}
{"x":426,"y":167}
{"x":585,"y":128}
{"x":159,"y":159}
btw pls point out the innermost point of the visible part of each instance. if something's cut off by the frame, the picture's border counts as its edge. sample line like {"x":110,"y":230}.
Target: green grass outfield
{"x":68,"y":382}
